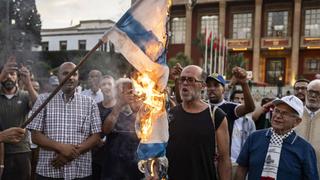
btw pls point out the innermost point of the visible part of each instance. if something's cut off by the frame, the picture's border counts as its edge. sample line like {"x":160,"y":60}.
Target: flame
{"x":153,"y":104}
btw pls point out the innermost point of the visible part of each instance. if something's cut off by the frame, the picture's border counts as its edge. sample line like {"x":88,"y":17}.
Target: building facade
{"x":83,"y":36}
{"x":279,"y":39}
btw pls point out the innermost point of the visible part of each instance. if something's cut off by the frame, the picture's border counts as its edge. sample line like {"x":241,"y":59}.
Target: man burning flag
{"x":141,"y":36}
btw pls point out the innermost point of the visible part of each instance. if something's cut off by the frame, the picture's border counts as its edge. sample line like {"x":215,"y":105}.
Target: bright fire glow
{"x":153,"y":104}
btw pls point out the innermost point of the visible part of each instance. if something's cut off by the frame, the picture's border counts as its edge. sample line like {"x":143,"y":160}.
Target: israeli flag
{"x":141,"y":37}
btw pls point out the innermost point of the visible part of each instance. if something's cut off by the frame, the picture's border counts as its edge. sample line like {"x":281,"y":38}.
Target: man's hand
{"x":69,"y":151}
{"x":59,"y":161}
{"x":12,"y":135}
{"x":10,"y":66}
{"x":239,"y":75}
{"x":25,"y":75}
{"x":175,"y":72}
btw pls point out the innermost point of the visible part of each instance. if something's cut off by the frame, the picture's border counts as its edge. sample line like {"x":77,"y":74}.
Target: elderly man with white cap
{"x":278,"y":152}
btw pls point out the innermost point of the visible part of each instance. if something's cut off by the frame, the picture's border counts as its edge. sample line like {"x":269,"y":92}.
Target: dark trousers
{"x":17,"y":166}
{"x":39,"y":177}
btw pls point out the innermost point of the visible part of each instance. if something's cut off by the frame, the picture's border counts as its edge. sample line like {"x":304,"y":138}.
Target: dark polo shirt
{"x":13,"y":112}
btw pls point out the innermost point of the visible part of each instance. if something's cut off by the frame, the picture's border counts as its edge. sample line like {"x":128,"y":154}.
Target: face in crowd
{"x":72,"y":82}
{"x":300,"y":90}
{"x":94,"y":79}
{"x":107,"y":86}
{"x":191,"y":83}
{"x":215,"y":91}
{"x":238,"y":98}
{"x":284,"y":118}
{"x":313,"y":95}
{"x":10,"y":80}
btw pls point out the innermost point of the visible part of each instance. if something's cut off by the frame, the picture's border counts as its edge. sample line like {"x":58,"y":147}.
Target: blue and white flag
{"x":141,"y":37}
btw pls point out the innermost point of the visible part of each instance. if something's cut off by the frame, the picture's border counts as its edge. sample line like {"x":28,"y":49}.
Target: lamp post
{"x":279,"y":85}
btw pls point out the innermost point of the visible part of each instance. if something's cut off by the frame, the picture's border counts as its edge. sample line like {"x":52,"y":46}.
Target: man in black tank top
{"x":193,"y":135}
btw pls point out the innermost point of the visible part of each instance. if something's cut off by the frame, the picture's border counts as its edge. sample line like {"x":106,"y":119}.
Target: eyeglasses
{"x":189,"y":80}
{"x":300,"y":88}
{"x":284,"y":114}
{"x":313,"y":93}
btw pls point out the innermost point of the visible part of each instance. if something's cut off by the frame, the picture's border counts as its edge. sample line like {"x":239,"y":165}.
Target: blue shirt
{"x":297,"y":160}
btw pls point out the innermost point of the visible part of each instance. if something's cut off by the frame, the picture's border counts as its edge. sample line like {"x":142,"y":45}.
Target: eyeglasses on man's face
{"x":284,"y":114}
{"x":189,"y":80}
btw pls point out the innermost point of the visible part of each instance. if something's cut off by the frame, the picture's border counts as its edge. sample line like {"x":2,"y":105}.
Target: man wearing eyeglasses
{"x":310,"y":126}
{"x":278,"y":152}
{"x":193,"y":133}
{"x":300,"y":89}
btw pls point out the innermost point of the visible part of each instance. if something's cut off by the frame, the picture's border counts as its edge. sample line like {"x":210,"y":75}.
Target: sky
{"x":66,"y":13}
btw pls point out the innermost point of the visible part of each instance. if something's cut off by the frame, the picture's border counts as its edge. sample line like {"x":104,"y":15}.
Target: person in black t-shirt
{"x":192,"y":133}
{"x":216,"y":87}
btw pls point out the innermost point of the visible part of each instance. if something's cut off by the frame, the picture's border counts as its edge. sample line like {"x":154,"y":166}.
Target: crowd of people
{"x":215,"y":130}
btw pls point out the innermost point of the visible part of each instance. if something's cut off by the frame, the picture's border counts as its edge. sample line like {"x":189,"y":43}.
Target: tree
{"x":179,"y":58}
{"x":20,"y":26}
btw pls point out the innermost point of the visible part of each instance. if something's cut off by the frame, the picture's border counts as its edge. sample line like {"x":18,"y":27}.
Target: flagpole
{"x":223,"y":55}
{"x":211,"y":46}
{"x":220,"y":50}
{"x":206,"y":50}
{"x":226,"y":58}
{"x":215,"y":59}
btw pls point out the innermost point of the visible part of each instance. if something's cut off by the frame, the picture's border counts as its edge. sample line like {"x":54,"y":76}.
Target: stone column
{"x":295,"y":41}
{"x":257,"y":40}
{"x":187,"y":45}
{"x":222,"y":17}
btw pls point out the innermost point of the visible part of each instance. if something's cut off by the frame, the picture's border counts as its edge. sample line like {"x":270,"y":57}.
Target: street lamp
{"x":279,"y":85}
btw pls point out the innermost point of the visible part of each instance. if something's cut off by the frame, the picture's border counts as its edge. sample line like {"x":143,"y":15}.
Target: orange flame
{"x":153,"y":104}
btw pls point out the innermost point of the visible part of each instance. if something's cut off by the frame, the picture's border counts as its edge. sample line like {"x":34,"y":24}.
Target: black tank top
{"x":190,"y":149}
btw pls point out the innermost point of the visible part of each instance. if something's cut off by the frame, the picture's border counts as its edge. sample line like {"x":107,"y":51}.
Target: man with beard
{"x":216,"y":88}
{"x":94,"y":92}
{"x":300,"y":89}
{"x":66,"y":130}
{"x":310,"y":125}
{"x":194,"y":132}
{"x":14,"y":107}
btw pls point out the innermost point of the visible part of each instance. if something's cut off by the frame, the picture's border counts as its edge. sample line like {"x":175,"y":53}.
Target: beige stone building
{"x":280,"y":39}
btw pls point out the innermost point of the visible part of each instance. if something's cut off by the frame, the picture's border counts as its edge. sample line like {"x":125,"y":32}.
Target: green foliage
{"x":234,"y":60}
{"x":179,"y":58}
{"x":20,"y":26}
{"x":199,"y":43}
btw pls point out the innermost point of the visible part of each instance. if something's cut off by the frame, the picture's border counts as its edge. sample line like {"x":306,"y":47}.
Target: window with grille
{"x":178,"y":30}
{"x":63,"y":45}
{"x":312,"y":65}
{"x":277,"y":24}
{"x":312,"y":23}
{"x":82,"y":45}
{"x":209,"y":22}
{"x":241,"y":26}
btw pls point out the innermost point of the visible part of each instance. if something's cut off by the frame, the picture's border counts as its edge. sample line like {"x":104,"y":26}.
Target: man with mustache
{"x":300,"y":89}
{"x":278,"y":152}
{"x":66,"y":130}
{"x":310,"y":125}
{"x":14,"y":107}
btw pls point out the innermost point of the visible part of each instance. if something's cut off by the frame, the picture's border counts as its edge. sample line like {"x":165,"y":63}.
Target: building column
{"x":222,"y":17}
{"x":187,"y":45}
{"x":295,"y":41}
{"x":257,"y":40}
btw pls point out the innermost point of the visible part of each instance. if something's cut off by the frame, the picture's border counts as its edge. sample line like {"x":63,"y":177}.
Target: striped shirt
{"x":68,"y":123}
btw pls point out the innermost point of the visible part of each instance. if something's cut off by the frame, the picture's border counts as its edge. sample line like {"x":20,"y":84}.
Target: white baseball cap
{"x":295,"y":103}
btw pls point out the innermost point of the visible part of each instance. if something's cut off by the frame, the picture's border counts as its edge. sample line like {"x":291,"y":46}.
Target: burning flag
{"x":141,"y":36}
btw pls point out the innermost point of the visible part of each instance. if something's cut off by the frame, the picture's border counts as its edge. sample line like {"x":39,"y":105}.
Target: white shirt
{"x":97,"y":97}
